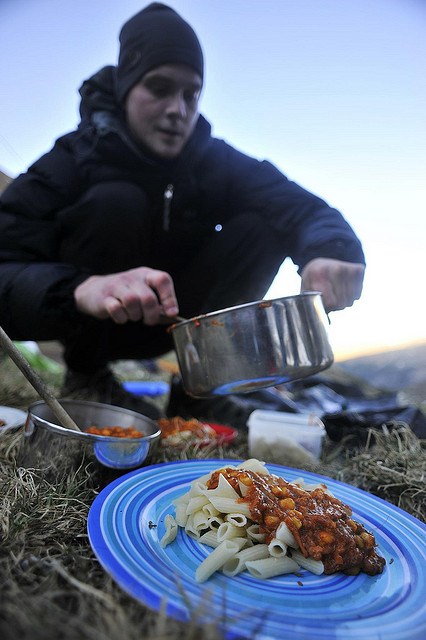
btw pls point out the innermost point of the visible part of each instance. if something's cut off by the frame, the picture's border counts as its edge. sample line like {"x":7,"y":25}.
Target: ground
{"x":52,"y":586}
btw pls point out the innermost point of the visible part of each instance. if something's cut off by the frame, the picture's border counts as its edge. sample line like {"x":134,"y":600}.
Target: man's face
{"x":162,"y":109}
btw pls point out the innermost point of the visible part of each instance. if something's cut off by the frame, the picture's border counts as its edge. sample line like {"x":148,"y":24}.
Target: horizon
{"x":375,"y":352}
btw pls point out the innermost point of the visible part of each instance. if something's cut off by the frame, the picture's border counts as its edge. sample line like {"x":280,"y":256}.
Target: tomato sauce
{"x":176,"y":426}
{"x":320,"y":523}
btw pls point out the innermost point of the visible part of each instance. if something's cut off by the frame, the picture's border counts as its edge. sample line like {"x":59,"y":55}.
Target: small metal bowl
{"x":49,"y":438}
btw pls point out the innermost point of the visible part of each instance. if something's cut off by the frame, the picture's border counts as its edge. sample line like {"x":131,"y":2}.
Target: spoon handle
{"x":171,"y":319}
{"x":35,"y":380}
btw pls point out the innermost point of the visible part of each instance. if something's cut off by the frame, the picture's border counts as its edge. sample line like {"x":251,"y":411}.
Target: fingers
{"x":162,"y":283}
{"x":115,"y":310}
{"x":339,"y":282}
{"x":133,"y":295}
{"x":348,"y":281}
{"x":358,"y":280}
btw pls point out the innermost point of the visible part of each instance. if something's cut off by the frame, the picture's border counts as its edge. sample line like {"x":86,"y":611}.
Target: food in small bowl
{"x":115,"y":445}
{"x":115,"y":431}
{"x":178,"y":431}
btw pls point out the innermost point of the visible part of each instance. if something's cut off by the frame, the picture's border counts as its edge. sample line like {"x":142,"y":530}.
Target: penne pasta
{"x":270,"y":567}
{"x":223,"y":489}
{"x":311,"y":486}
{"x":253,"y":532}
{"x":254,"y":465}
{"x":236,"y":565}
{"x":216,"y":559}
{"x":210,"y":510}
{"x":171,"y":530}
{"x":200,"y":521}
{"x":277,"y":548}
{"x":230,"y":505}
{"x":196,"y":503}
{"x":215,"y":521}
{"x":243,"y":488}
{"x":209,"y":538}
{"x":180,"y":514}
{"x":206,"y":477}
{"x":183,"y":499}
{"x":283,"y":533}
{"x":197,"y":487}
{"x":314,"y":566}
{"x":237,"y":519}
{"x":226,"y":531}
{"x":190,"y":528}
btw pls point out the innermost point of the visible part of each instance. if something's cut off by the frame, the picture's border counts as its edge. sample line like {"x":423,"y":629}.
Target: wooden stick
{"x":34,"y":379}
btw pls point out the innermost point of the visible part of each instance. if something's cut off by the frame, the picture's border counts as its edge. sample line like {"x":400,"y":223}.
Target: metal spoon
{"x":171,"y":319}
{"x":36,"y":382}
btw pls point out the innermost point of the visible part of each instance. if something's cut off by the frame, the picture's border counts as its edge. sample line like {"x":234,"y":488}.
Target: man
{"x":141,"y":213}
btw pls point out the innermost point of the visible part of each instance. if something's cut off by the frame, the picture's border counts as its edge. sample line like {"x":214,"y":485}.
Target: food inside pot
{"x":116,"y":432}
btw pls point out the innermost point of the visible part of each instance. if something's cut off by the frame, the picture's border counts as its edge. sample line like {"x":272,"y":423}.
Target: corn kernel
{"x":326,"y":537}
{"x":287,"y":503}
{"x":353,"y":525}
{"x":368,"y":539}
{"x":271,"y":521}
{"x":359,"y":542}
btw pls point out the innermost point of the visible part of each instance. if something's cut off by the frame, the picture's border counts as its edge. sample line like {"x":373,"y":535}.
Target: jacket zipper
{"x":167,"y":200}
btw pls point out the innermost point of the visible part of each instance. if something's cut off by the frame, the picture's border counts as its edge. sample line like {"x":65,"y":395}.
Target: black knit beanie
{"x":156,"y":35}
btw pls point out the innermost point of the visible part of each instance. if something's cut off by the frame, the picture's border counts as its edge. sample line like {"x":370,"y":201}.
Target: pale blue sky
{"x":332,"y":91}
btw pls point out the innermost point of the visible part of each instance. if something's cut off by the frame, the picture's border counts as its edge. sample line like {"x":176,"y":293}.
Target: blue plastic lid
{"x":146,"y":387}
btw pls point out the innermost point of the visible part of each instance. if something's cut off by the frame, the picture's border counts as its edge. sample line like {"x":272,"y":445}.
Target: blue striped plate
{"x":126,"y":522}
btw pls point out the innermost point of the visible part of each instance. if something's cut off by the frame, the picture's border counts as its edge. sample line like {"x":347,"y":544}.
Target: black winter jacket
{"x":212,"y":182}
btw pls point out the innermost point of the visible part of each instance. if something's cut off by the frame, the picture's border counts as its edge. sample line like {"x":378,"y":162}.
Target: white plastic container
{"x":270,"y":429}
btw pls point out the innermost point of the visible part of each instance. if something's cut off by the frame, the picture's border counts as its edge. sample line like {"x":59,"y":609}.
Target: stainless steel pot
{"x":254,"y":345}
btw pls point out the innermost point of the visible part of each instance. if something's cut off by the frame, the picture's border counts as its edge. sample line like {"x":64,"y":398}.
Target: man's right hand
{"x":133,"y":295}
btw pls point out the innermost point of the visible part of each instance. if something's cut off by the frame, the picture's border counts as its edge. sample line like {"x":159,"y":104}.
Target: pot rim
{"x":83,"y":435}
{"x":263,"y":303}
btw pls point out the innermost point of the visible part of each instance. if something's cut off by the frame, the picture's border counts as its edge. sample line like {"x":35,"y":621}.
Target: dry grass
{"x":52,"y":586}
{"x":392,"y":467}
